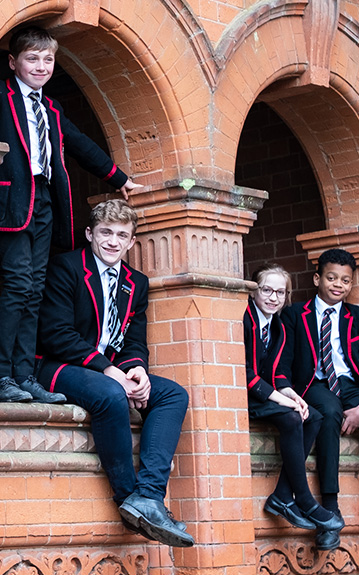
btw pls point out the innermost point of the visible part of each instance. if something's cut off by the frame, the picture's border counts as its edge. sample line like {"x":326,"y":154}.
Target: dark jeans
{"x":23,"y":261}
{"x":106,"y":401}
{"x":328,"y":438}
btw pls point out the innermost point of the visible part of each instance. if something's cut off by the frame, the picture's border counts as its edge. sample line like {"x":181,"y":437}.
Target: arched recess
{"x":142,"y":77}
{"x":268,"y":61}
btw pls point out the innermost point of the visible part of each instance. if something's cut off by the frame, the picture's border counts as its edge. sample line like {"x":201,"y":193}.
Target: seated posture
{"x":272,"y":399}
{"x":93,"y":335}
{"x":322,"y":359}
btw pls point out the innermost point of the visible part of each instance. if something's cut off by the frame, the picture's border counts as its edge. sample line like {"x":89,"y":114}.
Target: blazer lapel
{"x":309,"y":318}
{"x":125,"y":293}
{"x":93,"y":284}
{"x":18,"y":111}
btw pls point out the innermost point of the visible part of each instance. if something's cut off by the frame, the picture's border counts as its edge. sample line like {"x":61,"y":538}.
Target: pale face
{"x":110,"y":241}
{"x":33,"y":67}
{"x":273,"y":303}
{"x":335,"y":283}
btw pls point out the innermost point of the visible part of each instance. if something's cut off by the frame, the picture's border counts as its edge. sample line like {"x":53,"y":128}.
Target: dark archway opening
{"x":270,"y":158}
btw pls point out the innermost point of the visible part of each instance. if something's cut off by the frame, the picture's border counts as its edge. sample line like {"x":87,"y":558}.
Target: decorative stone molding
{"x":59,"y":435}
{"x":298,"y":557}
{"x":314,"y":243}
{"x":192,"y":228}
{"x":93,"y":561}
{"x":320,"y":24}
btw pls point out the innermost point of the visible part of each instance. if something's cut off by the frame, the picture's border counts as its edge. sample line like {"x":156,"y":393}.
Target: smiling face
{"x":335,"y":283}
{"x":111,"y":241}
{"x":33,"y":67}
{"x":273,"y":303}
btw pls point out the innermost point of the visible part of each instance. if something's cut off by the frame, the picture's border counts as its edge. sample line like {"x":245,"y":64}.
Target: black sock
{"x":330,"y":501}
{"x":20,"y":379}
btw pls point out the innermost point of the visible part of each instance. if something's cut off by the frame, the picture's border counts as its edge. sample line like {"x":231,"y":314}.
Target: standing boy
{"x":93,"y":333}
{"x":35,"y":202}
{"x":321,"y":358}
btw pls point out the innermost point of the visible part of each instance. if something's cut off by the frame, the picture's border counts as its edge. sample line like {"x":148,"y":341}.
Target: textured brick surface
{"x":176,"y":89}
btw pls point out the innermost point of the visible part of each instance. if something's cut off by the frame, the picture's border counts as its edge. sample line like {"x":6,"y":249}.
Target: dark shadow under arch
{"x":271,"y":158}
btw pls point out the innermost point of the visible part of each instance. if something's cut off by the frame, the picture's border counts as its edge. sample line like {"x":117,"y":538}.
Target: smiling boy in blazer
{"x":95,"y":351}
{"x":35,"y":202}
{"x":321,"y":358}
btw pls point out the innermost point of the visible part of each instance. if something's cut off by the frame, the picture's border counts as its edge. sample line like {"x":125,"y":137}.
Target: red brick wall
{"x":271,"y":158}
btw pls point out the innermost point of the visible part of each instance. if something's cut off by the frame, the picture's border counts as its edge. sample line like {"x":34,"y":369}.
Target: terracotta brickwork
{"x":175,"y":88}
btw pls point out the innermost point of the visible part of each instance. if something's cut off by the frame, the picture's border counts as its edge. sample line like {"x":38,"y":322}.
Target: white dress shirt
{"x":263,"y":321}
{"x":32,"y":124}
{"x":105,"y":335}
{"x":340,"y":366}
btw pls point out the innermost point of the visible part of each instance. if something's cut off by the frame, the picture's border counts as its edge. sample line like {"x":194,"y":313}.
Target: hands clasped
{"x":135,"y":382}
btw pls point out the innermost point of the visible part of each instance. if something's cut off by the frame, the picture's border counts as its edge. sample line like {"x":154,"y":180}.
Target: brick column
{"x":189,"y":243}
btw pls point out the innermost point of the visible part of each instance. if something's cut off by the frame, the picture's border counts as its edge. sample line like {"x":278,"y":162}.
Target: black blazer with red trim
{"x":300,"y":357}
{"x":71,"y":316}
{"x":263,"y":374}
{"x":17,"y":186}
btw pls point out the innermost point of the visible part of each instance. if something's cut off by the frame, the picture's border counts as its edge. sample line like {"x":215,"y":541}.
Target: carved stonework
{"x":299,"y":558}
{"x":74,"y":562}
{"x":320,"y":24}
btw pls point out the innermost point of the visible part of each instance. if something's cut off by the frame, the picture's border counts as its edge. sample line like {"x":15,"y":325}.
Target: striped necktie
{"x":41,"y":131}
{"x":114,"y":324}
{"x":326,"y":352}
{"x":265,"y":335}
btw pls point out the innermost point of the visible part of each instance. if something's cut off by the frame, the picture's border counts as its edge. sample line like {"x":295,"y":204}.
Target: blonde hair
{"x":113,"y":211}
{"x":260,"y":273}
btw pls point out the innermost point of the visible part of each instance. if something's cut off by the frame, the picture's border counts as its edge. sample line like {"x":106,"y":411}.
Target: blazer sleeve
{"x":58,"y":335}
{"x":88,"y":154}
{"x":256,"y":385}
{"x":135,"y":350}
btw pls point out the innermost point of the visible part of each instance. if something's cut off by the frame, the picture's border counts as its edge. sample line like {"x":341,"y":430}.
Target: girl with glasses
{"x":272,"y":399}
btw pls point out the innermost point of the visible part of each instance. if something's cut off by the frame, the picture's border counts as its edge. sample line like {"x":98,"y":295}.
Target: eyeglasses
{"x":268,"y":291}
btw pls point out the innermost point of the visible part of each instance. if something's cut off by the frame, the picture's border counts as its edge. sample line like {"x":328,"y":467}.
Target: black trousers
{"x":23,"y":261}
{"x":328,"y":438}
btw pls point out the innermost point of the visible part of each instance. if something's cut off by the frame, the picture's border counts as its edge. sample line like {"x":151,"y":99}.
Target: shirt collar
{"x":102,"y":267}
{"x":321,"y":306}
{"x":25,"y":89}
{"x":262,"y":318}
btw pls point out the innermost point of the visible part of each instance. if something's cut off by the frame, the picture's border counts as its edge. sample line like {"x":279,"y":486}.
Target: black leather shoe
{"x":137,"y":530}
{"x":152,"y":517}
{"x":335,"y":523}
{"x":327,"y":540}
{"x":10,"y":391}
{"x":277,"y":507}
{"x":180,"y":524}
{"x":39,"y":393}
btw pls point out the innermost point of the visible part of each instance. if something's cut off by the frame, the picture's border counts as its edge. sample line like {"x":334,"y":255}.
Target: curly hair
{"x":336,"y":256}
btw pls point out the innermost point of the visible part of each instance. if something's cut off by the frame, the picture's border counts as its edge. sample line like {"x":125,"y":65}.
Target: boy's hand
{"x":128,"y":186}
{"x":351,"y":420}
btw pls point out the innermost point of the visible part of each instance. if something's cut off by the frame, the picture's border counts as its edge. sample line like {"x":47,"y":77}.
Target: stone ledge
{"x":37,"y":437}
{"x":265,"y":455}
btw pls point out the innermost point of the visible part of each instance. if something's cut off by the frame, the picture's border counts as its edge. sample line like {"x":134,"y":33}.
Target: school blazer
{"x":17,"y":186}
{"x":300,"y":357}
{"x":71,"y":317}
{"x":262,"y":370}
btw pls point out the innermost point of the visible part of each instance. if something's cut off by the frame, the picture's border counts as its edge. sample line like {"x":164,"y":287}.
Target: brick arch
{"x":134,"y":79}
{"x":327,"y":128}
{"x":252,"y":50}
